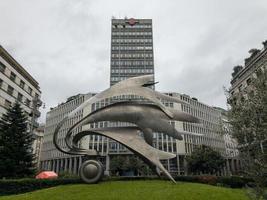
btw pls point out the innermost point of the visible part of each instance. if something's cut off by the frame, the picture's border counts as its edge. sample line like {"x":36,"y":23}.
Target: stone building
{"x":16,"y":84}
{"x":241,"y":77}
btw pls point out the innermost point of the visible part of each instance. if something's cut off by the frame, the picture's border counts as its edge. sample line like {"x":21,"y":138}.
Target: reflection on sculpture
{"x":149,"y":116}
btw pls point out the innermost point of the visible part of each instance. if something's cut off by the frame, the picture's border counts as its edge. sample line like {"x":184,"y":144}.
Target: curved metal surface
{"x":148,"y":117}
{"x":131,"y":86}
{"x":130,"y":137}
{"x":91,"y":171}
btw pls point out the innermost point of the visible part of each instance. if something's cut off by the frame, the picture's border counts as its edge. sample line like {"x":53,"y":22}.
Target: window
{"x":7,"y":103}
{"x":22,"y":84}
{"x":30,"y":90}
{"x":20,"y":97}
{"x":1,"y":83}
{"x":27,"y":102}
{"x":10,"y":90}
{"x":249,"y":81}
{"x":12,"y":76}
{"x":2,"y":67}
{"x":240,"y":88}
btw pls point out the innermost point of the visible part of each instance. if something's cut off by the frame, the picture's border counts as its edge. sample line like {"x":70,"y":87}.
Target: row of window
{"x":10,"y":91}
{"x":131,"y":63}
{"x":241,"y":87}
{"x":65,"y":108}
{"x":132,"y":26}
{"x":131,"y":33}
{"x":13,"y":78}
{"x":132,"y":55}
{"x":132,"y":70}
{"x":198,"y":113}
{"x":131,"y":40}
{"x":131,"y":47}
{"x":118,"y":78}
{"x":199,"y":105}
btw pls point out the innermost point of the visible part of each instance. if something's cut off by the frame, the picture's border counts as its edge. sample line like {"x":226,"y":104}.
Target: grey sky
{"x":65,"y":44}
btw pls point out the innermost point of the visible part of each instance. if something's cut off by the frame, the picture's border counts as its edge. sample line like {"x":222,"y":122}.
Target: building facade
{"x":16,"y":84}
{"x":131,"y":49}
{"x":51,"y":158}
{"x":208,"y":133}
{"x":241,"y":77}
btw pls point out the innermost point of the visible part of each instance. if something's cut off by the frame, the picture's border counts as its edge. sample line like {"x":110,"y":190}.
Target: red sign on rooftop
{"x":132,"y":21}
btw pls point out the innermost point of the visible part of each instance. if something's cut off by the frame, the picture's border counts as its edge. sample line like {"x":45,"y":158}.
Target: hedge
{"x":27,"y":185}
{"x":229,"y":181}
{"x":18,"y":186}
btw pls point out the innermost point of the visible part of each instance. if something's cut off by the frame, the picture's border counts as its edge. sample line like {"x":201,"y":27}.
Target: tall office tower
{"x":131,"y":49}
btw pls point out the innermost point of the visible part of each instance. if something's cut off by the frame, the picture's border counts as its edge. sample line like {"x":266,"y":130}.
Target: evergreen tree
{"x":16,"y":158}
{"x":205,"y":160}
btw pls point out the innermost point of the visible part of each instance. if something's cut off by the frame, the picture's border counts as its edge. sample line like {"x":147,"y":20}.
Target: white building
{"x":16,"y":84}
{"x":208,"y":133}
{"x":51,"y":158}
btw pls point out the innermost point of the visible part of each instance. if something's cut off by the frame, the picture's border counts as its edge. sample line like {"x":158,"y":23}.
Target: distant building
{"x":37,"y":143}
{"x":51,"y":158}
{"x":16,"y":84}
{"x":231,"y":154}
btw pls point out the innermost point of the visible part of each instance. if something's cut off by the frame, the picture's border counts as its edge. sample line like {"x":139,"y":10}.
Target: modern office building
{"x":16,"y":84}
{"x":51,"y":158}
{"x":131,"y":49}
{"x":208,"y":133}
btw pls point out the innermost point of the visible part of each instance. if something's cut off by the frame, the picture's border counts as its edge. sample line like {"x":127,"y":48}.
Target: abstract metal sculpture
{"x":149,"y":116}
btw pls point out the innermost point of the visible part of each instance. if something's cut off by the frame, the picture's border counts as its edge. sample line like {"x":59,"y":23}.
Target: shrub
{"x":17,"y":186}
{"x":228,"y":181}
{"x":211,"y":180}
{"x":235,"y":181}
{"x":67,"y":175}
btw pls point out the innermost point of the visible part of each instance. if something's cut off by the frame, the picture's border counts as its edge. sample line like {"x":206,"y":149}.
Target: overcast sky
{"x":65,"y":44}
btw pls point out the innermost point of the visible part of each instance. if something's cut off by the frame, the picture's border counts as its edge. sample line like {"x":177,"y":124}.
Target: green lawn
{"x":128,"y":190}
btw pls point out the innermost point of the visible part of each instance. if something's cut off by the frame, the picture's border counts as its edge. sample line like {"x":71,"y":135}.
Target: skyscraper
{"x":131,"y":49}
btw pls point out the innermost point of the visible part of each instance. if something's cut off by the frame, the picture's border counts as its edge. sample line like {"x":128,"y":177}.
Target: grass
{"x":129,"y":190}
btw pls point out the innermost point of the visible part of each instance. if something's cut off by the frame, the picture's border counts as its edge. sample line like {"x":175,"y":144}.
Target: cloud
{"x":65,"y":44}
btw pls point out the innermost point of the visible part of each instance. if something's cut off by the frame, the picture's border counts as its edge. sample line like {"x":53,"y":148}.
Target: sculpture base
{"x":91,"y":171}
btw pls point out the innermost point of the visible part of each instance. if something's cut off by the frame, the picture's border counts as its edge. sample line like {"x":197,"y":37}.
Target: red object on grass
{"x":46,"y":175}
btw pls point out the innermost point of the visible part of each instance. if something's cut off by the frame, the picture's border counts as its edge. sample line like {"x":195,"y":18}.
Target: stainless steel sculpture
{"x":149,"y":116}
